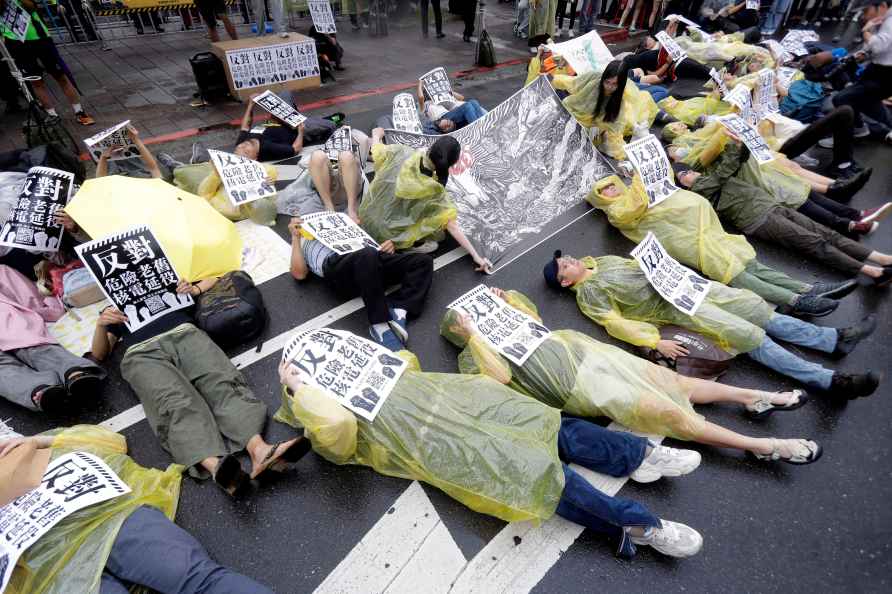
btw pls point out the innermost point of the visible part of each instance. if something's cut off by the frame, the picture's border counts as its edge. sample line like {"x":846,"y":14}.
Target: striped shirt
{"x":315,"y":254}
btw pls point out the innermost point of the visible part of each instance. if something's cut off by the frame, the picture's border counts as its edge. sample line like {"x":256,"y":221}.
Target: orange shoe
{"x":84,"y":119}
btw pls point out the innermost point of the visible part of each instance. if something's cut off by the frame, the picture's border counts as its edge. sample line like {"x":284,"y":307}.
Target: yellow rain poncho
{"x":685,"y":224}
{"x":618,"y":297}
{"x":404,"y":205}
{"x":202,"y":179}
{"x":724,"y":50}
{"x":72,"y":555}
{"x":638,"y":107}
{"x":688,"y":110}
{"x":587,"y":378}
{"x":482,"y":443}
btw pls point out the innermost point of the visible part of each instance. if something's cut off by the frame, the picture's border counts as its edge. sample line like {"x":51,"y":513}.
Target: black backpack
{"x":232,"y":311}
{"x":210,"y":76}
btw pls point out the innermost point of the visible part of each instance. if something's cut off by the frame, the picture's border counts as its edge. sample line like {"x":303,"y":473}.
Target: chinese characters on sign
{"x":686,"y":21}
{"x":355,"y":372}
{"x":135,"y":275}
{"x":31,"y":224}
{"x":116,"y":136}
{"x":672,"y":48}
{"x":719,"y":81}
{"x":677,"y":284}
{"x":405,"y":114}
{"x":280,"y":109}
{"x":510,"y":331}
{"x":753,"y":4}
{"x":15,"y":19}
{"x":71,"y":482}
{"x":741,"y":98}
{"x":437,"y":86}
{"x":794,"y":41}
{"x":338,"y":232}
{"x":341,"y":140}
{"x":244,"y":180}
{"x":323,"y":19}
{"x":585,"y":53}
{"x":749,"y":135}
{"x":785,"y":76}
{"x":765,"y":94}
{"x":259,"y":66}
{"x":650,"y":161}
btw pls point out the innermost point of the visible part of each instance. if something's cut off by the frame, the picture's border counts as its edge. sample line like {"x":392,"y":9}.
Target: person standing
{"x":277,"y":9}
{"x":469,"y":13}
{"x":438,"y":18}
{"x":542,"y":13}
{"x":210,"y":11}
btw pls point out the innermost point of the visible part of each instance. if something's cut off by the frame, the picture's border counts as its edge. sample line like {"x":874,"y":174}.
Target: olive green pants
{"x":195,"y":400}
{"x":771,"y":285}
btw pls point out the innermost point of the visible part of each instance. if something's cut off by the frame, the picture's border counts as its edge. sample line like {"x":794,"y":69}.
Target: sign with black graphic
{"x":280,"y":109}
{"x":785,"y":76}
{"x":765,"y":95}
{"x":116,"y":136}
{"x":676,"y":283}
{"x":260,"y":66}
{"x":357,"y":373}
{"x":135,"y":275}
{"x":650,"y":161}
{"x":437,"y":86}
{"x":794,"y":41}
{"x":405,"y":114}
{"x":340,"y":141}
{"x":337,"y":232}
{"x":742,"y":98}
{"x":672,"y":48}
{"x":513,"y":333}
{"x":323,"y":19}
{"x":585,"y":53}
{"x":719,"y":81}
{"x":749,"y":135}
{"x":31,"y":224}
{"x":244,"y":180}
{"x":71,"y":483}
{"x":16,"y":20}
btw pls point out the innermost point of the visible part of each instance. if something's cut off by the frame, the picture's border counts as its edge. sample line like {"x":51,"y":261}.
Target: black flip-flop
{"x":764,"y":414}
{"x":230,"y":477}
{"x":294,"y":453}
{"x":84,"y":388}
{"x":53,"y":400}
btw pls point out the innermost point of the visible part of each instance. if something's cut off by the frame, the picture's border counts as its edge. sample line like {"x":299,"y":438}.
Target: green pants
{"x":195,"y":400}
{"x":769,"y":284}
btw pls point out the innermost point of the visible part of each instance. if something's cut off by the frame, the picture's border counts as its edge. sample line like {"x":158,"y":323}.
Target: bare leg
{"x":212,"y":31}
{"x":230,"y":28}
{"x":715,"y":435}
{"x":629,"y":5}
{"x":320,"y":173}
{"x":43,"y":94}
{"x":880,"y":258}
{"x":210,"y":464}
{"x":704,"y":392}
{"x":68,"y":88}
{"x":262,"y":454}
{"x":634,"y":22}
{"x":348,"y":168}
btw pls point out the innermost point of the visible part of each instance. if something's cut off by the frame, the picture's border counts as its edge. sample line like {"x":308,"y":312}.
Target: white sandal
{"x":763,"y":407}
{"x":804,"y":451}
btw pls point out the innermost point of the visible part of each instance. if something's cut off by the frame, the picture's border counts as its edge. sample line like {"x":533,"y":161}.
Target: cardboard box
{"x":221,"y":48}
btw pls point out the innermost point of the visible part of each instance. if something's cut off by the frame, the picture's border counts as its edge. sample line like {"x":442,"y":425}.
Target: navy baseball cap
{"x":550,"y":271}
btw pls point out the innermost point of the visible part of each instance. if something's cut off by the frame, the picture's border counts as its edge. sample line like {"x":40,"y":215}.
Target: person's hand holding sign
{"x":387,"y":247}
{"x":290,"y":376}
{"x":294,"y":226}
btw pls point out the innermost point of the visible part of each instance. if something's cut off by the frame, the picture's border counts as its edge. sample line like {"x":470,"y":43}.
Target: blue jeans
{"x":152,"y":551}
{"x":464,"y":114}
{"x":614,"y":453}
{"x":587,"y":15}
{"x":657,"y":92}
{"x":795,"y":331}
{"x":775,"y":15}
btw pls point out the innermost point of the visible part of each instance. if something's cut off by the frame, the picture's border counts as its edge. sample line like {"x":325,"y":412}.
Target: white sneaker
{"x":665,"y":461}
{"x":862,"y":132}
{"x":807,"y":160}
{"x":571,"y":34}
{"x":673,"y":539}
{"x":826,"y":142}
{"x":888,"y":138}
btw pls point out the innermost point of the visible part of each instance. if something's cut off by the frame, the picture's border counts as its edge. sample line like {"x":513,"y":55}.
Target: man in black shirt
{"x":272,"y":143}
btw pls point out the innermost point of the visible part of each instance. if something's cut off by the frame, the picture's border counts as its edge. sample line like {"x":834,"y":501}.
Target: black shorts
{"x":210,"y":10}
{"x":35,"y":57}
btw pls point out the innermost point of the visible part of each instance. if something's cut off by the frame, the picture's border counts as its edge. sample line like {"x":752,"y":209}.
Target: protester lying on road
{"x":144,"y":166}
{"x":368,"y":273}
{"x":442,"y":119}
{"x":587,"y":378}
{"x":498,"y":452}
{"x":196,"y":401}
{"x":109,"y":547}
{"x":615,"y":293}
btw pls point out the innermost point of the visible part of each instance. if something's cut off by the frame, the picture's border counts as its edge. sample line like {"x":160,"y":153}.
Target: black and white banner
{"x":650,"y":161}
{"x":266,"y":65}
{"x":676,"y":283}
{"x":585,"y":53}
{"x":357,"y":373}
{"x":685,"y":20}
{"x":323,"y":19}
{"x":513,"y":333}
{"x":405,"y":114}
{"x":753,"y":4}
{"x":719,"y":81}
{"x":16,"y":20}
{"x":135,"y":275}
{"x":794,"y":41}
{"x":437,"y":86}
{"x":340,"y":141}
{"x":337,"y":232}
{"x":31,"y":224}
{"x":524,"y":172}
{"x":742,"y":98}
{"x":280,"y":109}
{"x":749,"y":135}
{"x":116,"y":136}
{"x":785,"y":76}
{"x":71,"y":483}
{"x":672,"y":48}
{"x":765,"y":95}
{"x":244,"y":180}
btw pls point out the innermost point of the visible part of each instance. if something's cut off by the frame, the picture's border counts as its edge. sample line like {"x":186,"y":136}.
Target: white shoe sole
{"x":651,"y":473}
{"x":879,"y":215}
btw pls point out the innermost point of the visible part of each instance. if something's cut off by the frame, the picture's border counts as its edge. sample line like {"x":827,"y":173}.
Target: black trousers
{"x":561,"y":8}
{"x":649,"y":61}
{"x":438,"y":16}
{"x":839,"y":123}
{"x":867,"y":94}
{"x":368,"y":273}
{"x":829,"y":213}
{"x":468,"y":13}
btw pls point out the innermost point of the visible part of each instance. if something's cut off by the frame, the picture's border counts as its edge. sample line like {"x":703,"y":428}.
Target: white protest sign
{"x":672,"y":48}
{"x":513,"y":333}
{"x":650,"y":161}
{"x":785,"y":76}
{"x":16,"y":20}
{"x":244,"y":180}
{"x":270,"y":64}
{"x":437,"y":86}
{"x":353,"y":371}
{"x":31,"y":223}
{"x":585,"y":53}
{"x":135,"y":275}
{"x":742,"y":98}
{"x":685,"y":20}
{"x":280,"y":109}
{"x":71,"y":483}
{"x":719,"y":81}
{"x":749,"y":135}
{"x":676,"y":283}
{"x":118,"y":135}
{"x":765,"y":95}
{"x":337,"y":232}
{"x":794,"y":41}
{"x":323,"y":19}
{"x":405,"y":114}
{"x":340,"y":141}
{"x":753,"y":4}
{"x":780,"y":55}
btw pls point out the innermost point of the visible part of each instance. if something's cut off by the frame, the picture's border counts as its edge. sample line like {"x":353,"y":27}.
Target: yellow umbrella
{"x":200,"y":242}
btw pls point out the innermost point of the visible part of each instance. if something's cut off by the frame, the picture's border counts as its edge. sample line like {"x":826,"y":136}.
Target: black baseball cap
{"x":550,"y":271}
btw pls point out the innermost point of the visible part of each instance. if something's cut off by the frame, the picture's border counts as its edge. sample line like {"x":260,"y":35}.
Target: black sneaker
{"x":52,"y":400}
{"x":84,"y":387}
{"x":200,"y":154}
{"x":817,"y":307}
{"x":853,"y":385}
{"x":833,"y":290}
{"x":883,"y":279}
{"x":847,"y":338}
{"x":843,"y":189}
